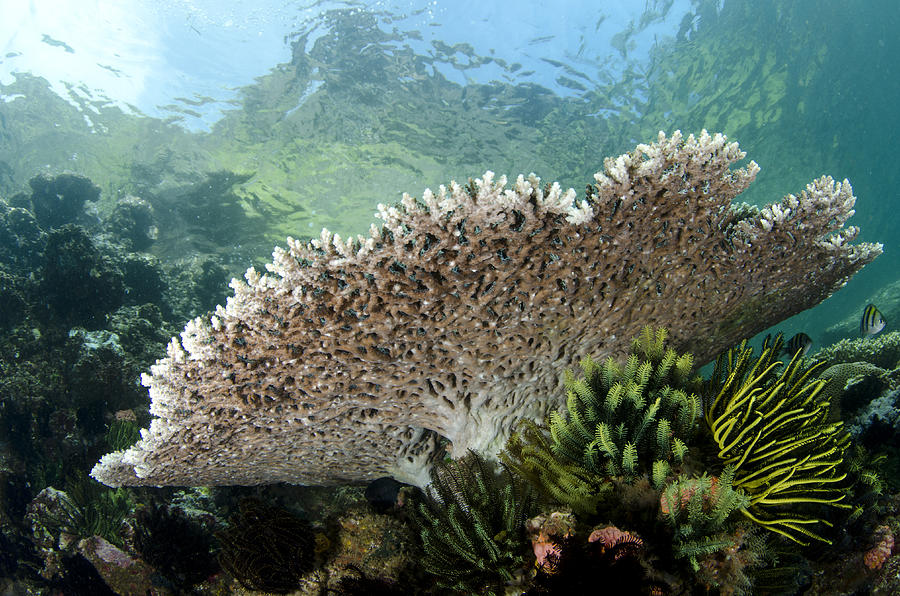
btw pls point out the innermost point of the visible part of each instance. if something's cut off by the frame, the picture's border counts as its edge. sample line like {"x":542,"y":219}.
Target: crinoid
{"x":92,"y":509}
{"x":267,"y":548}
{"x":179,"y":547}
{"x":471,"y":522}
{"x":529,"y":452}
{"x":698,"y":511}
{"x":622,"y":419}
{"x":619,"y":421}
{"x":770,"y":425}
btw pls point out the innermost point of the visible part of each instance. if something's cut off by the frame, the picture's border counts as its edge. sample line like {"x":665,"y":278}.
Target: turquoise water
{"x":394,"y":97}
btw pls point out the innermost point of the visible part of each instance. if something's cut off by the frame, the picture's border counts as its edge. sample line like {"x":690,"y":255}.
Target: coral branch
{"x":350,"y":359}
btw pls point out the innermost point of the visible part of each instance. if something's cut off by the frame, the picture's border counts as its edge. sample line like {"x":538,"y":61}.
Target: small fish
{"x":872,"y":322}
{"x":799,"y":343}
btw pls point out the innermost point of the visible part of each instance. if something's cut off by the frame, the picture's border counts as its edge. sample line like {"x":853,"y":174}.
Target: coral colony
{"x":352,"y":359}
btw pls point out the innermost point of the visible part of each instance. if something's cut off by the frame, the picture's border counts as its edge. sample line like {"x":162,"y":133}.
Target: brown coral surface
{"x":350,"y":360}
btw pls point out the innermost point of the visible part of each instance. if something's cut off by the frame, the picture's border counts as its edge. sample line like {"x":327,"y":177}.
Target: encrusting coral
{"x":350,"y":359}
{"x":882,"y":350}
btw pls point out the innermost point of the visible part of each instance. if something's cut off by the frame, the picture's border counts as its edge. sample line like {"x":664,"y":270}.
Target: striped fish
{"x":799,"y":343}
{"x":872,"y":322}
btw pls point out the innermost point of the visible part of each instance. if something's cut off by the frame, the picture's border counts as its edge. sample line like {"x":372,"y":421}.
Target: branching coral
{"x":773,"y":429}
{"x":882,"y":350}
{"x":472,"y":525}
{"x":349,"y":359}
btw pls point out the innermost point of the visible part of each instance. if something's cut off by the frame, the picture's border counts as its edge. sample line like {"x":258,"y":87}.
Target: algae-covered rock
{"x":882,"y":350}
{"x":123,"y":573}
{"x":60,"y":200}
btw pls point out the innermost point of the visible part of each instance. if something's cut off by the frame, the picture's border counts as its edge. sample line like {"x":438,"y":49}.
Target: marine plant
{"x":267,"y":548}
{"x":768,"y":422}
{"x":471,"y":523}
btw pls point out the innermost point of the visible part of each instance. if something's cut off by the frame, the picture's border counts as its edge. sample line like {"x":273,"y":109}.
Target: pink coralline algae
{"x":877,"y":555}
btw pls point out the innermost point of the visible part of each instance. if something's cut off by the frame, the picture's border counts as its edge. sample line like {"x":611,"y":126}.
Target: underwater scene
{"x":432,"y":297}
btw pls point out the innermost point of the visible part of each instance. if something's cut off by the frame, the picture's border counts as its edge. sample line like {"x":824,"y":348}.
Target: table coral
{"x":353,"y":359}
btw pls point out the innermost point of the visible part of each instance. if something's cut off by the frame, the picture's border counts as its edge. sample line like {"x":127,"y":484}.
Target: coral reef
{"x":650,"y":405}
{"x":121,"y":572}
{"x":545,"y":530}
{"x":132,"y":223}
{"x":82,"y":314}
{"x":878,"y":554}
{"x":349,"y":359}
{"x":366,"y":549}
{"x":876,"y":426}
{"x":362,"y":585}
{"x":78,"y":283}
{"x":59,"y":200}
{"x":841,"y":376}
{"x":609,"y":558}
{"x":882,"y":350}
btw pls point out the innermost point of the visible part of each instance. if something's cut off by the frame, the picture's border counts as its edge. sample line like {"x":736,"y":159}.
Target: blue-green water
{"x":231,"y":128}
{"x":332,"y":108}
